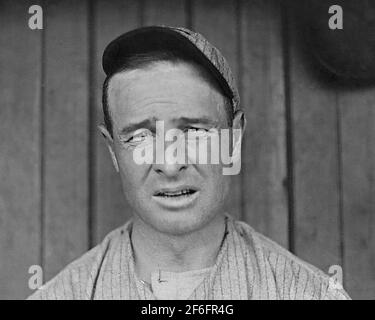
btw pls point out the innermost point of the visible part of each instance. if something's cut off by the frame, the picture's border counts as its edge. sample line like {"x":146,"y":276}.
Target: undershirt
{"x":166,"y":285}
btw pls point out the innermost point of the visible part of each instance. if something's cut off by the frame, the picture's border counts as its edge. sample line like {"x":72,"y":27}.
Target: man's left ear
{"x":110,"y":144}
{"x":239,"y":121}
{"x":239,"y":126}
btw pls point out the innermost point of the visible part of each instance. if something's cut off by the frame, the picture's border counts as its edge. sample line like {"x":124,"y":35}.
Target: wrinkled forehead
{"x":184,"y":67}
{"x":164,"y":87}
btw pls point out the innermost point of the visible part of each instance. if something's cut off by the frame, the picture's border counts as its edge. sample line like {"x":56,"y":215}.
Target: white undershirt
{"x":167,"y":285}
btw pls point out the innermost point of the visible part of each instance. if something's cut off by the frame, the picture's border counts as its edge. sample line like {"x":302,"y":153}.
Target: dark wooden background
{"x":308,"y":170}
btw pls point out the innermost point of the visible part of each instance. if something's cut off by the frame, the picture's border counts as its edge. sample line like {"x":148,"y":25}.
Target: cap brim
{"x":154,"y":38}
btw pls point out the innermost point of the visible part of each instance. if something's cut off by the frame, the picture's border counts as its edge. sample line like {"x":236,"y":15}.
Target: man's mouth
{"x":176,"y":198}
{"x":178,"y":193}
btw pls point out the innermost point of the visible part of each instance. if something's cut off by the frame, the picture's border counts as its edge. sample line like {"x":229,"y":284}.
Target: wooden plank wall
{"x":20,"y":155}
{"x":308,"y":169}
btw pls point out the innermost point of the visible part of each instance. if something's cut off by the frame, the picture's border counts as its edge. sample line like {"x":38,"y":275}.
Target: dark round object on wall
{"x":348,"y":53}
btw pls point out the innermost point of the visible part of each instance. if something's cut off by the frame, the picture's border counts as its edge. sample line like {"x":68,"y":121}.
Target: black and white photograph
{"x":187,"y":150}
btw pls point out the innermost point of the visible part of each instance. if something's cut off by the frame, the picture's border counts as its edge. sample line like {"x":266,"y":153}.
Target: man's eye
{"x":194,"y":129}
{"x":138,"y":138}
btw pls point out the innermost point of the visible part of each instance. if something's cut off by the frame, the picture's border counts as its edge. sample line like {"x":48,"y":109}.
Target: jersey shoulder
{"x":290,"y":276}
{"x":77,"y":280}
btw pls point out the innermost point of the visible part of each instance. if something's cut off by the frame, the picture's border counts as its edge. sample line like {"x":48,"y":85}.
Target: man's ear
{"x":110,"y":144}
{"x":239,"y":124}
{"x":239,"y":121}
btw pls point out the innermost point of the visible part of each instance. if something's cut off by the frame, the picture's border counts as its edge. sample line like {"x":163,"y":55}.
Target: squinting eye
{"x":198,"y":130}
{"x":194,"y":133}
{"x":140,"y":137}
{"x":137,"y":137}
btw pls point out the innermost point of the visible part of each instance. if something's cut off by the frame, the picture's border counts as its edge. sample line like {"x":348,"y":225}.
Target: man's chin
{"x":179,"y":223}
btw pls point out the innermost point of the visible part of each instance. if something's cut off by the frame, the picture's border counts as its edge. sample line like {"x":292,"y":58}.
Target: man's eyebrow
{"x":147,"y":124}
{"x":201,"y":120}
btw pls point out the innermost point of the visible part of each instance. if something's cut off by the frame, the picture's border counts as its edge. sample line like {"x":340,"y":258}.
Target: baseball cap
{"x":153,"y":38}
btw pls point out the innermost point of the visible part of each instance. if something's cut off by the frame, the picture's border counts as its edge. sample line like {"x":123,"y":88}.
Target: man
{"x":180,"y":243}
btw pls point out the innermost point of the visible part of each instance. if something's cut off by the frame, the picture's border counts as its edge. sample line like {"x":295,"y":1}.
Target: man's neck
{"x":155,"y":251}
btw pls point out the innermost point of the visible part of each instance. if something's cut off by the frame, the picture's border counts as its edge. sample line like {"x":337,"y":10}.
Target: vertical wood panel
{"x":358,"y":158}
{"x":164,"y":12}
{"x":333,"y":137}
{"x":315,"y":161}
{"x":20,"y":78}
{"x":207,"y":18}
{"x":263,"y":99}
{"x":65,"y":134}
{"x":110,"y":209}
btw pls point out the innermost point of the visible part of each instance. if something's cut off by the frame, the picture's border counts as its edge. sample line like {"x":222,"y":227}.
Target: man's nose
{"x":170,"y":164}
{"x":170,"y":161}
{"x":169,"y":170}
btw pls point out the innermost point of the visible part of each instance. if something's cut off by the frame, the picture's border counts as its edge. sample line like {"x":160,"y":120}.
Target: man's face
{"x":177,"y":95}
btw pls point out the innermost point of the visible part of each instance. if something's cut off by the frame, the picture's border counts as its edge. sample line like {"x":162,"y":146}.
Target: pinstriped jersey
{"x":248,"y":266}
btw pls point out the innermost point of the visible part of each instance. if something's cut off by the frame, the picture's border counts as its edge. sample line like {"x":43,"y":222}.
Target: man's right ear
{"x":109,"y":141}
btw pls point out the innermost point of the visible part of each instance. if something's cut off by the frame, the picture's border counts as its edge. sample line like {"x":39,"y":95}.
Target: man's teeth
{"x":176,"y":194}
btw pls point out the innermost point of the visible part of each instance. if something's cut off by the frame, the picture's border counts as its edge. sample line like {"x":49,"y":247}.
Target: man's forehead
{"x":166,"y":85}
{"x":164,"y":71}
